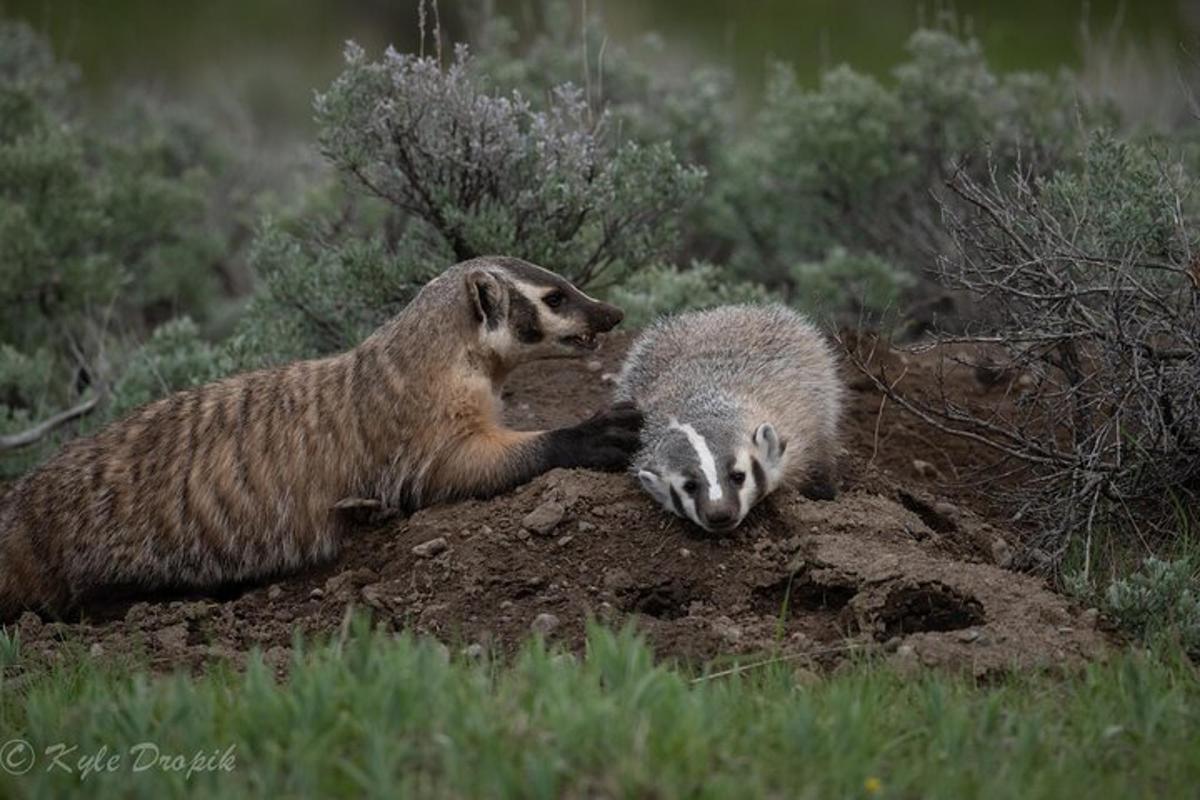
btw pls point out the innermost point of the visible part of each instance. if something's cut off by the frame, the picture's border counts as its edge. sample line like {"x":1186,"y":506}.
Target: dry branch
{"x":39,"y":431}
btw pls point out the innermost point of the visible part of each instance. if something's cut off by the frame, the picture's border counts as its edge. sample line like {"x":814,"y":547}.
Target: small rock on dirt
{"x":430,"y":548}
{"x":926,"y":470}
{"x":617,"y":579}
{"x":1002,"y":554}
{"x":275,"y":592}
{"x":345,"y":584}
{"x":545,"y":624}
{"x":1090,"y":618}
{"x":545,"y":518}
{"x":374,"y":597}
{"x":172,"y":637}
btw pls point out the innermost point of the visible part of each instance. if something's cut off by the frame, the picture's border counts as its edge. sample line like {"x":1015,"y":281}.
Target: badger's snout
{"x":719,"y":517}
{"x":603,"y":317}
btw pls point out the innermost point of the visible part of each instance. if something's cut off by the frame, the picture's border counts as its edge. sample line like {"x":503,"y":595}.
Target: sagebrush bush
{"x":664,"y":289}
{"x":1161,"y":599}
{"x":457,"y":170}
{"x":856,"y":284}
{"x":1090,"y":283}
{"x":860,"y":163}
{"x":484,"y":173}
{"x":110,"y":224}
{"x":693,"y":109}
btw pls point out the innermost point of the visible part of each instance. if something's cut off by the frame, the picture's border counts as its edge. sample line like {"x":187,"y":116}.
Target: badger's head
{"x":524,"y":312}
{"x":711,"y":473}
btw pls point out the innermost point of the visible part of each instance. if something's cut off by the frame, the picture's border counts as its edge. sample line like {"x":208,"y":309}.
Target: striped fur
{"x":237,"y":479}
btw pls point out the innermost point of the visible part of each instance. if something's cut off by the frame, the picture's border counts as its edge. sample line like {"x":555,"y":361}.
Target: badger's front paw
{"x":607,"y":440}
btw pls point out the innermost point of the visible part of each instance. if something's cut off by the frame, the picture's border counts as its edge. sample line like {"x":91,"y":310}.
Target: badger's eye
{"x":737,"y":477}
{"x":554,"y":299}
{"x":690,"y":486}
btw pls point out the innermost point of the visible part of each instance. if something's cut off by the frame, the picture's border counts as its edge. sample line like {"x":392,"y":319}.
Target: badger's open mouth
{"x":585,"y":341}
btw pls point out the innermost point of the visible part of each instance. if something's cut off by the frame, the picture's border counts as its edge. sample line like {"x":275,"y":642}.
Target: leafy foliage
{"x":663,"y":289}
{"x":1161,"y":600}
{"x":1089,"y":281}
{"x":109,"y":225}
{"x":456,"y":171}
{"x":860,"y":164}
{"x":486,"y":173}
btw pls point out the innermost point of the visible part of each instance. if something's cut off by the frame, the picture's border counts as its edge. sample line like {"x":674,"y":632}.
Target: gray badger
{"x":739,"y":400}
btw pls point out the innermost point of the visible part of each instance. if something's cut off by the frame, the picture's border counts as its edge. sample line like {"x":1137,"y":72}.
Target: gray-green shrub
{"x":860,"y":163}
{"x":461,"y":171}
{"x":110,"y":223}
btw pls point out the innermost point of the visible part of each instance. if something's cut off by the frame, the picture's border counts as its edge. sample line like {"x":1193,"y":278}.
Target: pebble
{"x":172,"y":637}
{"x":373,"y":596}
{"x":474,"y":651}
{"x":968,"y":635}
{"x":545,"y":518}
{"x":545,"y":624}
{"x":96,"y":650}
{"x":275,"y":592}
{"x":431,"y":547}
{"x":1002,"y":554}
{"x":685,"y":553}
{"x":585,"y":526}
{"x":925,"y":470}
{"x":316,"y":594}
{"x":563,"y":541}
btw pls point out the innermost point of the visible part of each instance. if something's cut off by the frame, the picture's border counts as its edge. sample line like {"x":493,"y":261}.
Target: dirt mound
{"x":886,"y":565}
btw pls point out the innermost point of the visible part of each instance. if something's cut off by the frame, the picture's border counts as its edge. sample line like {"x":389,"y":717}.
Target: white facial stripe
{"x":689,"y":505}
{"x":708,"y":464}
{"x":551,"y":323}
{"x":748,"y":489}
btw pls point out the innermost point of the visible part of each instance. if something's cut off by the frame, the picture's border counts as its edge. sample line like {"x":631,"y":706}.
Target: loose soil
{"x":902,"y":563}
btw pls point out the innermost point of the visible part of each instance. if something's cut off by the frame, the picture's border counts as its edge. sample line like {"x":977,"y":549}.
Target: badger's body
{"x":738,"y":400}
{"x":243,"y":478}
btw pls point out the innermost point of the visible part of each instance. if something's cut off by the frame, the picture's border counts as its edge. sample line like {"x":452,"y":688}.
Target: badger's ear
{"x":488,"y":297}
{"x":770,"y":447}
{"x":653,"y":483}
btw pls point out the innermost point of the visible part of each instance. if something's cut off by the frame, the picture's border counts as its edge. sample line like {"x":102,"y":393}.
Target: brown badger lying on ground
{"x":239,"y":479}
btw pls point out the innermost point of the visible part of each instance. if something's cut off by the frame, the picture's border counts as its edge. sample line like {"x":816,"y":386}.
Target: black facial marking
{"x":677,"y":502}
{"x":523,"y":318}
{"x":760,"y":478}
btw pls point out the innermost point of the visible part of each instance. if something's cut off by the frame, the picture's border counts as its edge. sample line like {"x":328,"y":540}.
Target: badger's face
{"x":712,"y":479}
{"x":525,"y":312}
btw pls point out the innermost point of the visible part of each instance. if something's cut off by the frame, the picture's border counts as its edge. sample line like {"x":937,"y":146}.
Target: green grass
{"x":383,"y":717}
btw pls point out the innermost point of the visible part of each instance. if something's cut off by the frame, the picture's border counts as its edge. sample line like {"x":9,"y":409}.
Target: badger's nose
{"x":720,"y":517}
{"x":607,"y":317}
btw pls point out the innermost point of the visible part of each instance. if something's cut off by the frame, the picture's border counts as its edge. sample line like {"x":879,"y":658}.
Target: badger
{"x":243,"y":478}
{"x":738,"y":401}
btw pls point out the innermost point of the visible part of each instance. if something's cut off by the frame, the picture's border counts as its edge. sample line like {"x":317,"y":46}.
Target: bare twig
{"x":39,"y":431}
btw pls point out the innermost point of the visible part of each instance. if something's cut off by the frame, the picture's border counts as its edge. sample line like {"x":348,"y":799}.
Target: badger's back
{"x":770,"y":361}
{"x":223,"y":482}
